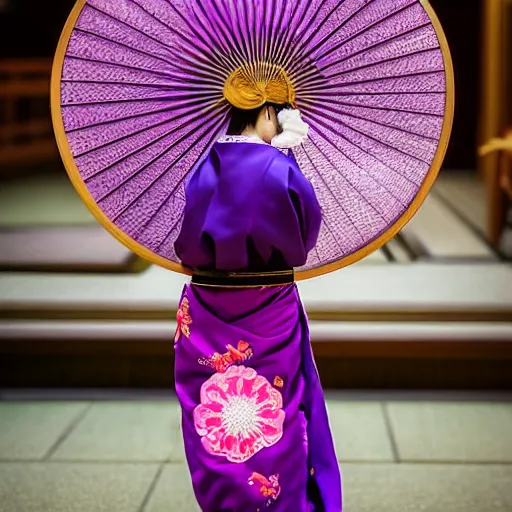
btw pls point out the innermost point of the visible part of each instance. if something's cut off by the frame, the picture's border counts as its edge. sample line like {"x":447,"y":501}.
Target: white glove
{"x":295,"y":130}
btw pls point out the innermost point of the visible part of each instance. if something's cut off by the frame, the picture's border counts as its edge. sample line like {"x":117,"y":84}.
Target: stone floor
{"x":399,"y":454}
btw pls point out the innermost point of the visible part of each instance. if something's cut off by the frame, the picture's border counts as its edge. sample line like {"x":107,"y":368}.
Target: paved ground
{"x":399,"y":455}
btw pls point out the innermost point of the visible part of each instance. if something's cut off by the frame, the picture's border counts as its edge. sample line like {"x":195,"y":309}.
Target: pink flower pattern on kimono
{"x":183,"y":320}
{"x":240,"y":414}
{"x":221,"y":362}
{"x":269,"y":488}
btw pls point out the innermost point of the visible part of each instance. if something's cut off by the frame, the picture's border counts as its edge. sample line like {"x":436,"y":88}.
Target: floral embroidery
{"x":184,"y":320}
{"x":278,"y":382}
{"x":234,"y":356}
{"x":269,"y":488}
{"x":240,"y":414}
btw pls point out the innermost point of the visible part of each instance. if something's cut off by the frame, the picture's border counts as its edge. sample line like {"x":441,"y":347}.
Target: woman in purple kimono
{"x":138,"y":96}
{"x":255,"y":424}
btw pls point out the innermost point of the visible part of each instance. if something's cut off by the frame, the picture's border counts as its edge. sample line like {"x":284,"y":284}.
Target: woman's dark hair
{"x":242,"y":119}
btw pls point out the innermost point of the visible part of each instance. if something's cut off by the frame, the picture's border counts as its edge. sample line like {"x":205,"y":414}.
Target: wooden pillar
{"x":491,"y":123}
{"x":493,"y":106}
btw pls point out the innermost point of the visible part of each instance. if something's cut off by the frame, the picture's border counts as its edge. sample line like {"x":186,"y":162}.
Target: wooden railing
{"x":26,"y":135}
{"x":498,"y":184}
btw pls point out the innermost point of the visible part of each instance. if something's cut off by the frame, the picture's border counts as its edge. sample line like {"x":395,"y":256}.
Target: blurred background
{"x":414,"y":343}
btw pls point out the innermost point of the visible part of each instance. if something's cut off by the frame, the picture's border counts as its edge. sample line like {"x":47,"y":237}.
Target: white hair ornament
{"x":295,"y":130}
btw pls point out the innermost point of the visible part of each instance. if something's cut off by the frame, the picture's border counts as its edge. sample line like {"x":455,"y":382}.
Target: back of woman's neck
{"x":250,"y":132}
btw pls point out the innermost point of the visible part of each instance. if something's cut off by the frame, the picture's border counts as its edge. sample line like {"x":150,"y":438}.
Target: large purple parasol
{"x":137,"y":101}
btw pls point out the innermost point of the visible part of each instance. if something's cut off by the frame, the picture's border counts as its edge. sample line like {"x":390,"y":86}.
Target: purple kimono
{"x":255,"y":424}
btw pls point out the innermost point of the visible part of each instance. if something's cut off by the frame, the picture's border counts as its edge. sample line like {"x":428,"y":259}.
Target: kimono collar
{"x":252,"y":139}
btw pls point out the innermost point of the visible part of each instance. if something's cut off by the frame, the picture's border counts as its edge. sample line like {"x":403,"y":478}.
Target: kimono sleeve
{"x":307,"y":208}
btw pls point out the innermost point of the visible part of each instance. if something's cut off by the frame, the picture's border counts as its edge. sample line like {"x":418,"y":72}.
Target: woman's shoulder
{"x":233,"y":142}
{"x":253,"y":150}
